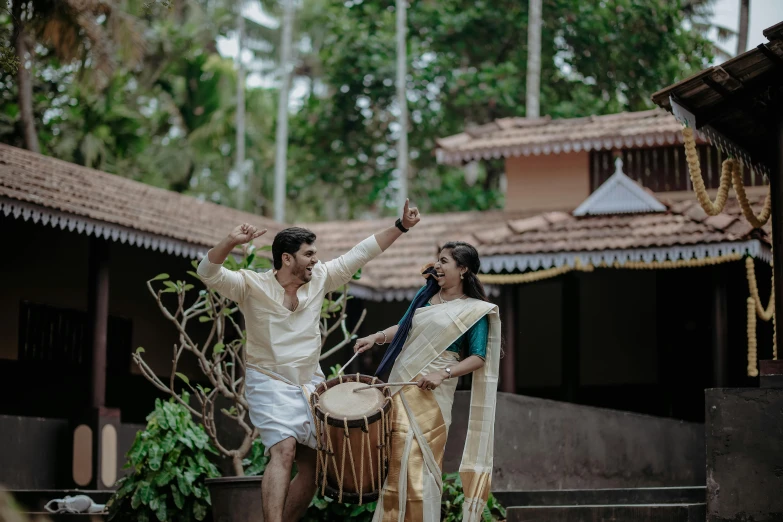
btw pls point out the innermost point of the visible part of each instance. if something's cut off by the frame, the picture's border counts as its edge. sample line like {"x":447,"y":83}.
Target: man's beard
{"x":302,"y":273}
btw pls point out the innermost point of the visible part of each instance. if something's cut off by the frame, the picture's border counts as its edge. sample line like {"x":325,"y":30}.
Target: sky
{"x":763,"y":13}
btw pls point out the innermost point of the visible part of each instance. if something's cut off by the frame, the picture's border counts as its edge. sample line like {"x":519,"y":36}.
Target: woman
{"x":449,"y":313}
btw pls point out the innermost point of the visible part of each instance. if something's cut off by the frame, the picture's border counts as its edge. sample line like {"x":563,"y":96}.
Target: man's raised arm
{"x":341,"y":270}
{"x":228,"y":283}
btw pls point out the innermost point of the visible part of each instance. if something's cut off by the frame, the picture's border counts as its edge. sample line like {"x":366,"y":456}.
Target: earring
{"x":462,"y":276}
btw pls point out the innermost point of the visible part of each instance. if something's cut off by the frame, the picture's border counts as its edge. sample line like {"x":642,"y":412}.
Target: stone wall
{"x":543,"y":444}
{"x":744,"y":430}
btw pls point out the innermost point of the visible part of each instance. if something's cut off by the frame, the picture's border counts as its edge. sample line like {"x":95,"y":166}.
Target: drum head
{"x":341,"y":402}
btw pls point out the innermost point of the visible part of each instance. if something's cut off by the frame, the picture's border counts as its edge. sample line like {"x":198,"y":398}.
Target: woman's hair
{"x":466,"y":256}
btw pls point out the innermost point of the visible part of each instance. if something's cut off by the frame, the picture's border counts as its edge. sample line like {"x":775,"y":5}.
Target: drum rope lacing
{"x":325,"y":447}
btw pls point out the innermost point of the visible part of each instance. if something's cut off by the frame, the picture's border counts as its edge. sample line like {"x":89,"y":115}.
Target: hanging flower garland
{"x":532,"y":277}
{"x":679,"y":263}
{"x":757,"y":311}
{"x":731,"y":174}
{"x":763,"y":314}
{"x":539,"y":275}
{"x":753,"y":370}
{"x":739,"y":188}
{"x":694,"y":168}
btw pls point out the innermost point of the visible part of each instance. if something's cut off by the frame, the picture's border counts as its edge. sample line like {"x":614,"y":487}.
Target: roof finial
{"x":618,"y":165}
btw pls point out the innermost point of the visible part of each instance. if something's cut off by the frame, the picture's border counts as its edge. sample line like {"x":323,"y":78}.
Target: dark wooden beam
{"x":98,"y":309}
{"x":739,"y":99}
{"x":776,"y":194}
{"x":571,"y":331}
{"x":720,"y":335}
{"x":508,"y":363}
{"x":771,"y":55}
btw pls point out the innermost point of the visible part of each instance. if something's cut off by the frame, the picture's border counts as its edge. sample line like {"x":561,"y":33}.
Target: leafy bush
{"x":169,"y":460}
{"x":256,"y":462}
{"x":451,"y":506}
{"x":326,"y":510}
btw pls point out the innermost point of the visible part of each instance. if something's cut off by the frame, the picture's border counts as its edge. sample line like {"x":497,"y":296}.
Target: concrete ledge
{"x":542,"y":444}
{"x":586,"y":497}
{"x":633,"y":513}
{"x":744,"y":454}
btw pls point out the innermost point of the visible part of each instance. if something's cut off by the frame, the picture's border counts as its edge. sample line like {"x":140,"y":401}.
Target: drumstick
{"x":349,"y":362}
{"x":383,"y":385}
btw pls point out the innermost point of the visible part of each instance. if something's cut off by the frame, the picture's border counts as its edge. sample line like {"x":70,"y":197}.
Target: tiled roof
{"x":509,"y":137}
{"x":397,"y":268}
{"x":560,"y":232}
{"x":33,"y":181}
{"x":74,"y":190}
{"x":536,"y":241}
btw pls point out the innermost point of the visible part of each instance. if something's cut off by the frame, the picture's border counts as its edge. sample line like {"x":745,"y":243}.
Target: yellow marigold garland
{"x":539,"y":275}
{"x":764,"y":315}
{"x":739,"y":188}
{"x":752,"y":356}
{"x":754,"y":307}
{"x":532,"y":277}
{"x":731,"y":174}
{"x":757,"y":311}
{"x":679,"y":263}
{"x":694,"y":168}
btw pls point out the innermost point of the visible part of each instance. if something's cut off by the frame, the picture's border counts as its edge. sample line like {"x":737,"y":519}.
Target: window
{"x":61,"y":336}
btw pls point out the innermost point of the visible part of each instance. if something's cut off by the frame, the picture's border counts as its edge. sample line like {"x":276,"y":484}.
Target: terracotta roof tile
{"x":54,"y":184}
{"x":721,"y":221}
{"x":502,"y":234}
{"x":59,"y":185}
{"x":522,"y":137}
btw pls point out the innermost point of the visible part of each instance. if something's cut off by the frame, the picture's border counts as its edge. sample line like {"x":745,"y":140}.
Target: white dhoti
{"x":280,"y":410}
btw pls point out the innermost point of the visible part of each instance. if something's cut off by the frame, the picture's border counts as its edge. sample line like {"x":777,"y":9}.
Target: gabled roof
{"x":58,"y":193}
{"x":508,"y":242}
{"x":619,"y":195}
{"x":509,"y":137}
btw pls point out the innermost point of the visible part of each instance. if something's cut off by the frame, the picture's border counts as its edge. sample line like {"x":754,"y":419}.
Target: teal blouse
{"x":474,"y":340}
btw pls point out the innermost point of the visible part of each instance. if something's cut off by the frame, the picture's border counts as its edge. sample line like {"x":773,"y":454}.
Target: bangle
{"x":398,"y":224}
{"x":384,"y":338}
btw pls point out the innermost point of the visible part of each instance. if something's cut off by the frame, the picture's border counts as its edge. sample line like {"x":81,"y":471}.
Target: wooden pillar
{"x":570,"y":337}
{"x":508,"y":364}
{"x":98,"y":310}
{"x":719,"y":327}
{"x":95,"y":461}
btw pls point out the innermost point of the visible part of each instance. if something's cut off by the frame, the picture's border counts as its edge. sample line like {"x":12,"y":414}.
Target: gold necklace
{"x":440,"y":295}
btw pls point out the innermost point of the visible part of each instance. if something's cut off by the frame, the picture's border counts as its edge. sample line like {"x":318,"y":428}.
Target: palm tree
{"x":402,"y":101}
{"x":75,"y":30}
{"x":742,"y":37}
{"x":533,"y":59}
{"x":699,"y":14}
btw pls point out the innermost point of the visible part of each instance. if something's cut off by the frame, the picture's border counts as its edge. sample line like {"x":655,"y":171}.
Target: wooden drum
{"x":353,"y":433}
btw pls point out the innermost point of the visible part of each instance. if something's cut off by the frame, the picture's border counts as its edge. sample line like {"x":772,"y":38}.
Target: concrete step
{"x":65,"y":517}
{"x":581,"y":497}
{"x":610,"y":513}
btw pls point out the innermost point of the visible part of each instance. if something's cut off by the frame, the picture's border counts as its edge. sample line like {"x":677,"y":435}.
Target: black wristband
{"x":398,"y":224}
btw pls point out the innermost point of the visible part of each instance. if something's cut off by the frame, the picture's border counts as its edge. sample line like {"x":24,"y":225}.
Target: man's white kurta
{"x":282,"y":342}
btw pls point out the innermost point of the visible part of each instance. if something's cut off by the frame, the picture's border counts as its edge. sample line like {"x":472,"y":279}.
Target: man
{"x":282,"y":309}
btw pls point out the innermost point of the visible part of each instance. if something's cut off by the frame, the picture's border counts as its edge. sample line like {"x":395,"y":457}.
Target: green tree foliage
{"x":166,"y":117}
{"x":467,"y":63}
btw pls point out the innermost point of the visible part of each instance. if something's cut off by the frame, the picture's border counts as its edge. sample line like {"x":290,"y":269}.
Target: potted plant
{"x":220,"y":356}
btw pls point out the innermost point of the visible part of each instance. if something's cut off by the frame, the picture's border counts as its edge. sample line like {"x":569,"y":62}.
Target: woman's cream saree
{"x":421,"y":418}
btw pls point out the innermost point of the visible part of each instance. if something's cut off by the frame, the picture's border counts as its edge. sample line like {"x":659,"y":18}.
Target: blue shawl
{"x":395,"y":347}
